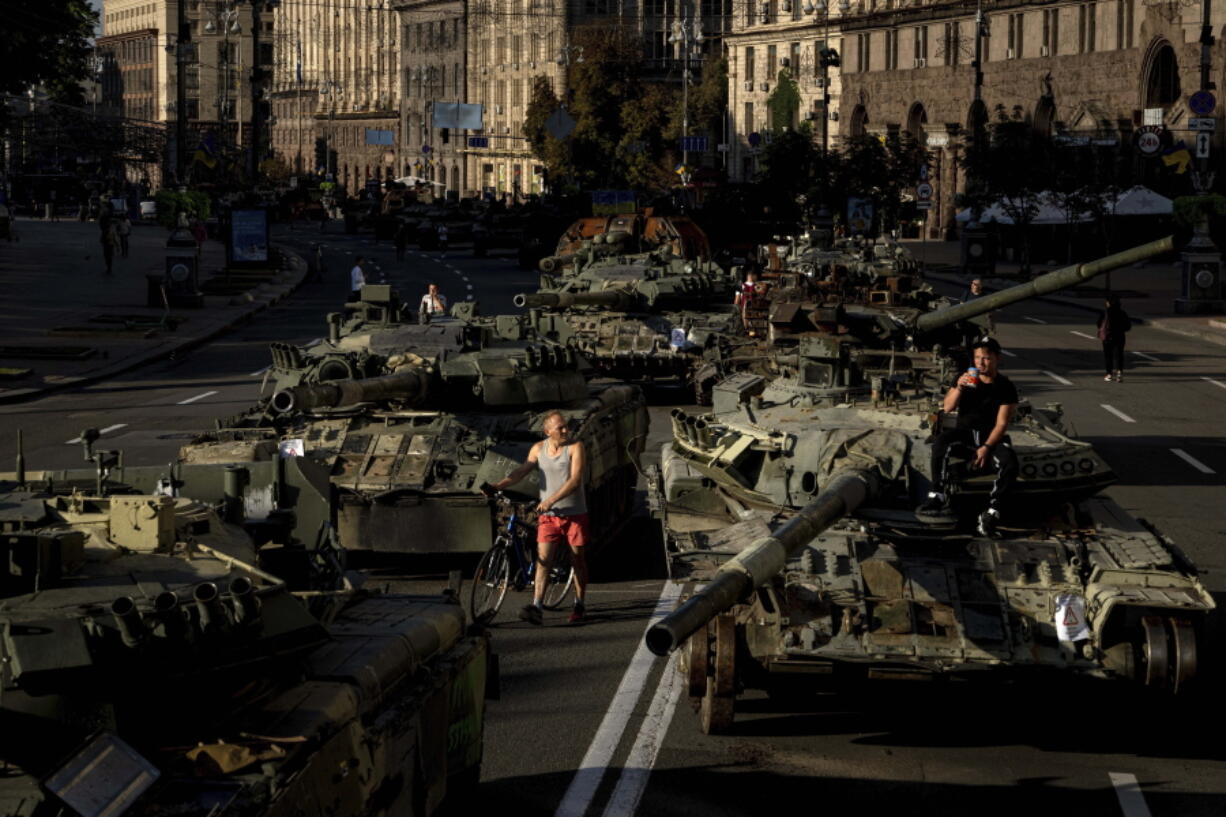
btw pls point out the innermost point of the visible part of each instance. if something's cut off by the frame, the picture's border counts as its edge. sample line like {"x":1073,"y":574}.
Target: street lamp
{"x":226,"y":22}
{"x":827,"y":58}
{"x":333,"y":92}
{"x":688,"y":36}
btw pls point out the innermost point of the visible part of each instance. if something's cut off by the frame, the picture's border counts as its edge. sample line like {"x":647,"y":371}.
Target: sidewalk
{"x":66,"y":323}
{"x":1148,"y":291}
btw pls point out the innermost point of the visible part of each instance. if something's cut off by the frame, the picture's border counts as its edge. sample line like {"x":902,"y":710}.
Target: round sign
{"x":1204,"y":279}
{"x":179,"y":273}
{"x":923,"y":173}
{"x":1202,"y":103}
{"x":923,"y":190}
{"x":1148,"y":140}
{"x":755,"y":139}
{"x":425,"y":148}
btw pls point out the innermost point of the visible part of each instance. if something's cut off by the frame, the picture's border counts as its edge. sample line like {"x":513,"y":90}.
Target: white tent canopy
{"x":414,"y":180}
{"x":1049,"y":212}
{"x":1141,"y":201}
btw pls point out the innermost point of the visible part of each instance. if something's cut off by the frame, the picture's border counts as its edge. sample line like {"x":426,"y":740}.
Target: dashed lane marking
{"x":1192,"y":461}
{"x":1064,"y":381}
{"x":1007,"y":353}
{"x":1118,"y":413}
{"x":468,"y":297}
{"x":1083,"y":335}
{"x":1217,"y":383}
{"x":1144,"y":356}
{"x":106,"y":430}
{"x":197,"y":397}
{"x":609,"y":734}
{"x":1033,"y":320}
{"x":1128,"y":792}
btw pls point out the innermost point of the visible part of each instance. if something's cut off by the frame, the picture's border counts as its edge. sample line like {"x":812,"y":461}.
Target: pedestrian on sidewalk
{"x":123,"y":227}
{"x":357,"y":280}
{"x":109,"y":238}
{"x":1113,"y":325}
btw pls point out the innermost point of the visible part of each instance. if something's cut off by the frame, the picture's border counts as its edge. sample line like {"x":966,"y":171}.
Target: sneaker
{"x":1119,"y":377}
{"x":935,"y":506}
{"x":988,"y":521}
{"x":1109,"y":378}
{"x":577,"y":613}
{"x":531,"y":614}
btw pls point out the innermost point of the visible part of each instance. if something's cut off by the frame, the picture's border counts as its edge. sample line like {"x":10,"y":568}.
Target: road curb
{"x":258,"y":305}
{"x":1217,"y":336}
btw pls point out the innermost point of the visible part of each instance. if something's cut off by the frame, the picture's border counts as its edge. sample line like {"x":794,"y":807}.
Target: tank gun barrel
{"x":410,"y":385}
{"x":1043,"y":285}
{"x":765,"y":558}
{"x":612,"y":298}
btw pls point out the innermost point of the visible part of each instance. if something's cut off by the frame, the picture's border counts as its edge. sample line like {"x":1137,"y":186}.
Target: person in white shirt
{"x":433,"y":303}
{"x":357,"y":280}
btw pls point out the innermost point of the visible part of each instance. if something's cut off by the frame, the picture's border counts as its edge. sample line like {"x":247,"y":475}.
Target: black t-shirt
{"x":979,"y":405}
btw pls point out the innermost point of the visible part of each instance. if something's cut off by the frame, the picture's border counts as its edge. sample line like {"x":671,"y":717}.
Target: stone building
{"x":766,"y":38}
{"x":1095,"y":69}
{"x":433,"y":61}
{"x":348,"y":57}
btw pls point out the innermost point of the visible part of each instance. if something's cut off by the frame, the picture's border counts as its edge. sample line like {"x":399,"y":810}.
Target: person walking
{"x":561,"y":513}
{"x":357,"y":280}
{"x":442,"y":238}
{"x":109,"y":238}
{"x":123,"y":228}
{"x":1113,"y":325}
{"x":745,"y":294}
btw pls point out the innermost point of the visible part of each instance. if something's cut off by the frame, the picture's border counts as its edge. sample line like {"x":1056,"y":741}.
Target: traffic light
{"x":829,"y":58}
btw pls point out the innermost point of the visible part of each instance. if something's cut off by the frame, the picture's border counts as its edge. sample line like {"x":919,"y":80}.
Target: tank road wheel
{"x":561,"y":579}
{"x":1154,"y":652}
{"x":490,"y":581}
{"x":1183,"y":648}
{"x":697,"y":662}
{"x":716,"y":711}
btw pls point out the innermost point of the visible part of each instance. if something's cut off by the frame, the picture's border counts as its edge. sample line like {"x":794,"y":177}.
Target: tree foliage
{"x":47,"y":43}
{"x":784,"y":103}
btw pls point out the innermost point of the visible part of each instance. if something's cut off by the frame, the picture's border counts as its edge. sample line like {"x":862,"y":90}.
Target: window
{"x":500,"y":50}
{"x":1016,"y":24}
{"x":517,"y":48}
{"x":794,"y":58}
{"x":191,"y":74}
{"x":193,"y":108}
{"x":952,"y":44}
{"x":749,"y":64}
{"x":455,"y":80}
{"x":748,"y":123}
{"x":598,"y":6}
{"x":772,"y":62}
{"x":920,"y":45}
{"x":1123,"y":23}
{"x":863,"y":41}
{"x":1051,"y":33}
{"x":517,"y":92}
{"x":1087,"y":24}
{"x":891,"y":49}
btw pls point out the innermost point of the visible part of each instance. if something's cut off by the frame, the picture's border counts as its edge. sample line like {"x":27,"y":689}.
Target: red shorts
{"x":573,"y":529}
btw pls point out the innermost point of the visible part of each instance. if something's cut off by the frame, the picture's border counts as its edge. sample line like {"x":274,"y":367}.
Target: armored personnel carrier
{"x":399,"y":424}
{"x":641,"y":317}
{"x":155,"y":660}
{"x":792,"y":509}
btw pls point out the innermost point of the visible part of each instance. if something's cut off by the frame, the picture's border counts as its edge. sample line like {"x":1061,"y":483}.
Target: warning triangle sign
{"x":1070,"y":617}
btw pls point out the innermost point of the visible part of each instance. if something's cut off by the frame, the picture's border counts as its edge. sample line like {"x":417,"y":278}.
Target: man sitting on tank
{"x":985,"y":401}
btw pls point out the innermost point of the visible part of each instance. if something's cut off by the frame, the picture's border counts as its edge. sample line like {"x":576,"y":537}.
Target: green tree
{"x":798,"y":178}
{"x":646,"y":150}
{"x":784,"y":103}
{"x":549,"y":151}
{"x":47,"y":42}
{"x":709,"y":98}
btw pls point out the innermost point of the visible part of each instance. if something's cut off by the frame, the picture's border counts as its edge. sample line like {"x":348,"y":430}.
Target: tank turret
{"x":408,"y":386}
{"x":564,"y":299}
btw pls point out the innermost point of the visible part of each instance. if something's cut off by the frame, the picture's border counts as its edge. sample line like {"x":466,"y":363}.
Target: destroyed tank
{"x":634,"y":233}
{"x":794,"y":514}
{"x":399,"y":425}
{"x":155,"y":660}
{"x":641,"y":318}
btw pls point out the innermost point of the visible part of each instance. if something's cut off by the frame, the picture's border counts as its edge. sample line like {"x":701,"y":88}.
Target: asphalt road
{"x":588,"y":723}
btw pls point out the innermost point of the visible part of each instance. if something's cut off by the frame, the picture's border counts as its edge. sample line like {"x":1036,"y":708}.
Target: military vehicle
{"x":154,"y":659}
{"x":793,"y":510}
{"x":399,"y":424}
{"x":634,"y":233}
{"x":643,"y":317}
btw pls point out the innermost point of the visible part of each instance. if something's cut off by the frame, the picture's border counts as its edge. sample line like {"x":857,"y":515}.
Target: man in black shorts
{"x":985,"y":405}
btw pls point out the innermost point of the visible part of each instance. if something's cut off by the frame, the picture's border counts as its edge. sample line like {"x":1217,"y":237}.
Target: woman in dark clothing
{"x":1113,"y":325}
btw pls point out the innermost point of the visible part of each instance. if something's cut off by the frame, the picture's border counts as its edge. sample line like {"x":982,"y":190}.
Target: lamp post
{"x":688,"y":37}
{"x":333,"y":93}
{"x":827,"y":58}
{"x":224,"y":21}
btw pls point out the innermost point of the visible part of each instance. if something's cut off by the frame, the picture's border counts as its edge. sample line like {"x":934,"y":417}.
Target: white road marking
{"x":1061,"y":380}
{"x":625,"y":799}
{"x":609,"y":734}
{"x":1118,"y":413}
{"x":1192,"y":461}
{"x":101,"y":431}
{"x":470,"y":286}
{"x":469,"y":297}
{"x":1132,"y":800}
{"x":1033,"y":320}
{"x":197,"y":397}
{"x":1083,"y":335}
{"x":1007,"y":353}
{"x":1217,"y":383}
{"x":260,"y":371}
{"x":1144,"y":356}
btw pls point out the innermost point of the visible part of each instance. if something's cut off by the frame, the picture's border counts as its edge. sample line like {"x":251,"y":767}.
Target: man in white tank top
{"x":562,"y":511}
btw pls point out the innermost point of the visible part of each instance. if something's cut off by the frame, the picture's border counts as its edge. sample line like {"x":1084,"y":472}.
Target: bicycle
{"x":511,"y":561}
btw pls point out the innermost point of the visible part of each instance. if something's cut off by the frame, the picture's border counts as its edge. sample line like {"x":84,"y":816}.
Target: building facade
{"x":1095,"y":69}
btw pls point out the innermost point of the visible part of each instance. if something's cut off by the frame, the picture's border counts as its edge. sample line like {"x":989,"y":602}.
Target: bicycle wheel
{"x":490,"y":584}
{"x":561,"y":579}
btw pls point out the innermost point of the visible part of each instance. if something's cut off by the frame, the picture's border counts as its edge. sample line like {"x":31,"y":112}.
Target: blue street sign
{"x":696,"y":144}
{"x":478,"y":141}
{"x":1202,"y":103}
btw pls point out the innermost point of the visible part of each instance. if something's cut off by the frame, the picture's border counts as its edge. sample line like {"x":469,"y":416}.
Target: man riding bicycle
{"x":561,"y":513}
